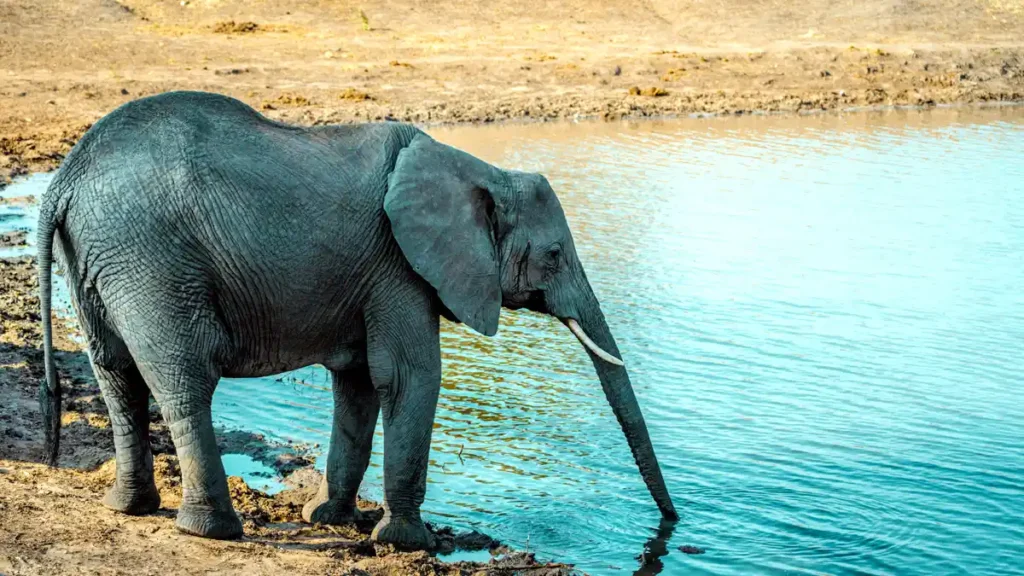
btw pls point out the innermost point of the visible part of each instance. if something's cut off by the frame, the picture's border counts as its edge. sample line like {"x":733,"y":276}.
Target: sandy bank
{"x":67,"y":64}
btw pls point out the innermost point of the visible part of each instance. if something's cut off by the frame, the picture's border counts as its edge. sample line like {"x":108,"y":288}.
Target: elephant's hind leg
{"x":176,"y":348}
{"x":127,"y":397}
{"x":356,"y":409}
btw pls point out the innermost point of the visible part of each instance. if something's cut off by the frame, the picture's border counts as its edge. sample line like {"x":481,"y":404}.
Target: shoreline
{"x":19,"y":167}
{"x":473,"y":62}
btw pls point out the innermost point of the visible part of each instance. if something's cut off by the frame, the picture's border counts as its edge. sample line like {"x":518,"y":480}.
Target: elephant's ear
{"x":440,"y":202}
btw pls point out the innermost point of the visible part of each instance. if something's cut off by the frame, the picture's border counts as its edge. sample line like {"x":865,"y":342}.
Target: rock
{"x":475,"y":541}
{"x":652,"y":92}
{"x":232,"y":27}
{"x":353,"y":94}
{"x":687,"y":549}
{"x":14,"y":239}
{"x":287,"y":462}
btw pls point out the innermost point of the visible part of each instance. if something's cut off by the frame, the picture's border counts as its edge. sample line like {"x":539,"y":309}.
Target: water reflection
{"x":655,"y":549}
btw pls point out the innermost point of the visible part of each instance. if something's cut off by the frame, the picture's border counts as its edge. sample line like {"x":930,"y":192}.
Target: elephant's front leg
{"x":405,"y":364}
{"x":356,"y":408}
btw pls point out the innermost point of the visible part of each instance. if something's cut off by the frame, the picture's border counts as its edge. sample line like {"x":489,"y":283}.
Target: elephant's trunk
{"x":581,"y":334}
{"x":619,"y":392}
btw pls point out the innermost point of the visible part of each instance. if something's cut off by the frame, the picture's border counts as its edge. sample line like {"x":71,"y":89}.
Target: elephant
{"x":200,"y":239}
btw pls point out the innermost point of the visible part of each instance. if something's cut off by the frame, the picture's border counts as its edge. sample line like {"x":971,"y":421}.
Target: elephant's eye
{"x":554,"y":256}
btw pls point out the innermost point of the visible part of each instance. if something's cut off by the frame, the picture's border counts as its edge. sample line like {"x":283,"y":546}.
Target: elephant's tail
{"x":49,"y":389}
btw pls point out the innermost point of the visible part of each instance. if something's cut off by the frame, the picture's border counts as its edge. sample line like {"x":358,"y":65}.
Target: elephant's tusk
{"x":586,"y":341}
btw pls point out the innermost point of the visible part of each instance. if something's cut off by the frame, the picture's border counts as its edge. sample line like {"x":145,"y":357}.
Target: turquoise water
{"x":824,"y":322}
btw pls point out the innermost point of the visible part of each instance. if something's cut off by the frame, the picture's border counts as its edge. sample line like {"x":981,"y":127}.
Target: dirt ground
{"x":64,"y":64}
{"x":52,"y":522}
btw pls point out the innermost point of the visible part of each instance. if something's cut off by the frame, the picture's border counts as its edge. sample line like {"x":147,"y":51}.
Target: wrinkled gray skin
{"x":203,"y":240}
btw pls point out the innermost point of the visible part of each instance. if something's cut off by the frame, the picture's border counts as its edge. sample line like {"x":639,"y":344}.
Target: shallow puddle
{"x":824,"y":322}
{"x":256,"y":474}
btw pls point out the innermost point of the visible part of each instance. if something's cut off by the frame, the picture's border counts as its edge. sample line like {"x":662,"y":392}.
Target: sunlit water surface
{"x":824,"y":322}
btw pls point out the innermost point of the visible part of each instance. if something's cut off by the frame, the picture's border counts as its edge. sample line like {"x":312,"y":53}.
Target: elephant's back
{"x":186,"y":112}
{"x":178,"y":139}
{"x":197,"y":181}
{"x":166,"y":130}
{"x":169,"y":156}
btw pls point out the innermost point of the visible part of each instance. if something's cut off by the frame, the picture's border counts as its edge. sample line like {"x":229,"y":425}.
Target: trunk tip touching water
{"x":595,"y":335}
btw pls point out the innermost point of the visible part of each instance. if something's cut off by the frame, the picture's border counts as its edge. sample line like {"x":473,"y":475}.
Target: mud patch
{"x":231,"y":71}
{"x":652,"y":92}
{"x":260,"y":508}
{"x":15,"y":239}
{"x":19,"y":201}
{"x":286,"y":101}
{"x":41,"y":151}
{"x":284,"y":458}
{"x":232,"y":27}
{"x":448,"y":541}
{"x":353,"y":94}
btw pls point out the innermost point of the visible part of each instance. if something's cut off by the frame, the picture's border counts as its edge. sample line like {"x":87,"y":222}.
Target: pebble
{"x":691,"y":550}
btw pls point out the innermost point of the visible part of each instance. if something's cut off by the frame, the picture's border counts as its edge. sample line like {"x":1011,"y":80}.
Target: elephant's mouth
{"x":532,"y":300}
{"x":589,"y":344}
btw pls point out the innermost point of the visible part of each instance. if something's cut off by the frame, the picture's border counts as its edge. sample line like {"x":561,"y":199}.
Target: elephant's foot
{"x":136,"y":502}
{"x":322,"y":510}
{"x":405,"y":533}
{"x":208,"y":523}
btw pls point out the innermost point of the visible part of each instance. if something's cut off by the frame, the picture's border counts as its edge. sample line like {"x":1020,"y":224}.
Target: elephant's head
{"x":484,"y":238}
